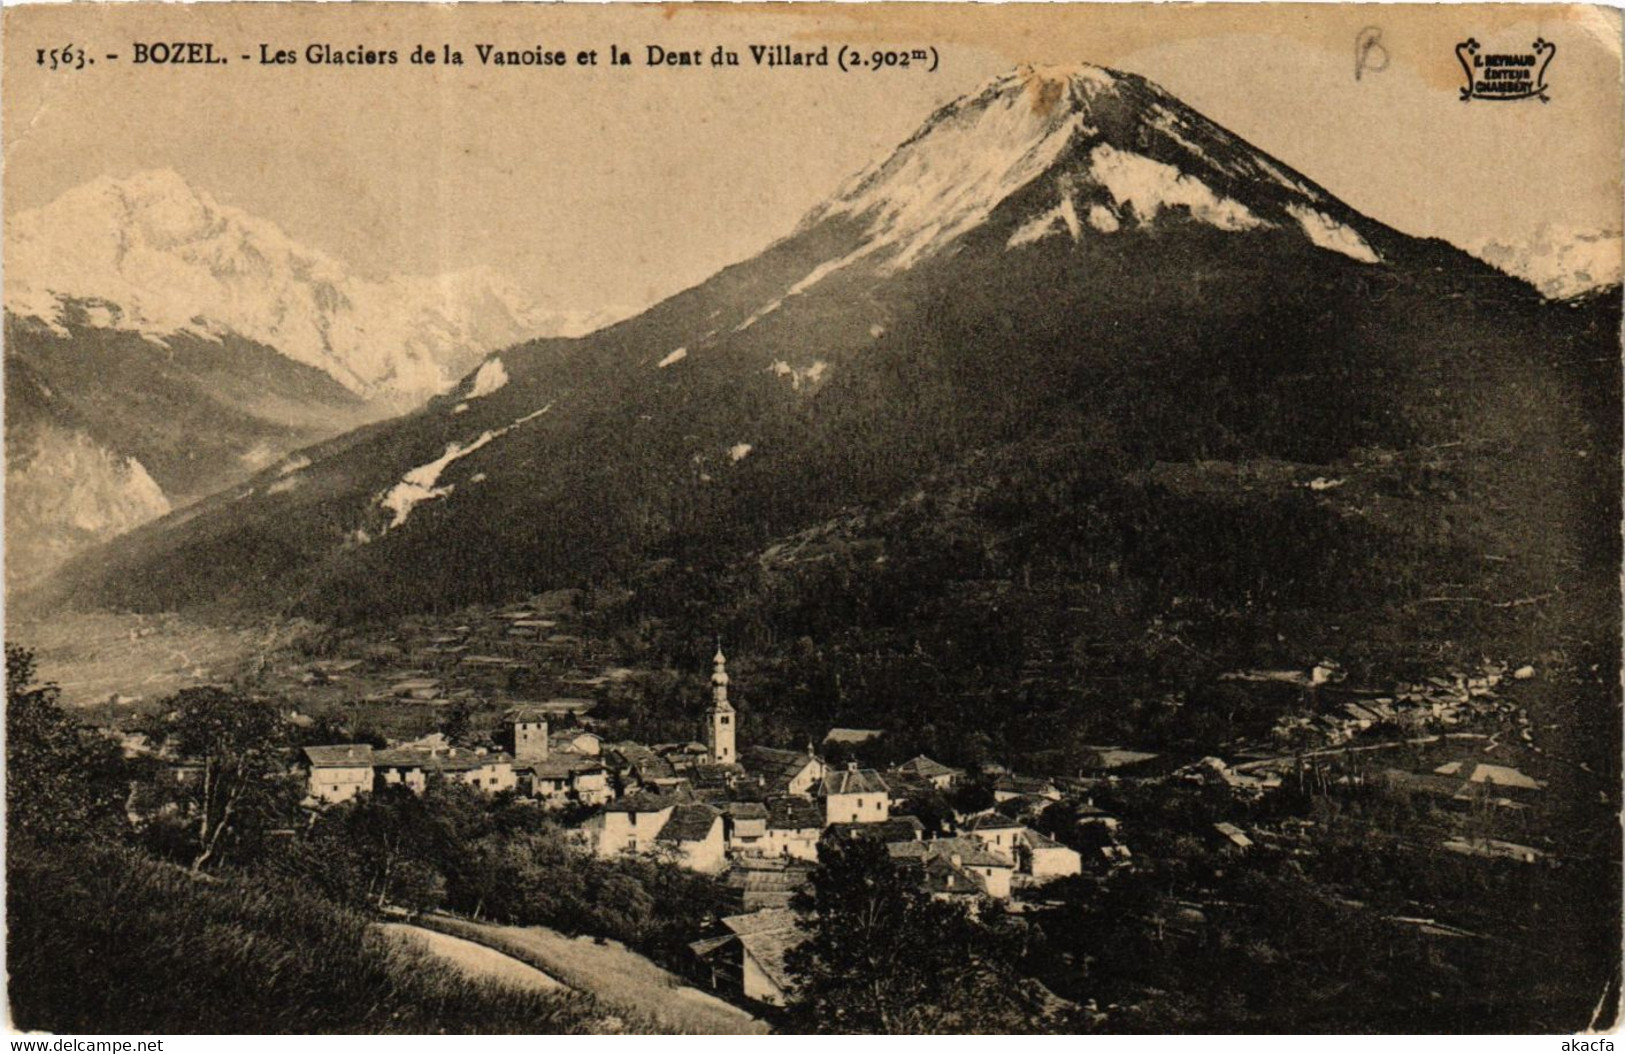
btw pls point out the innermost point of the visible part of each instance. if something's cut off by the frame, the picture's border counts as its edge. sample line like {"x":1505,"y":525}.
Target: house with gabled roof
{"x":635,"y":766}
{"x":693,"y":833}
{"x":337,"y":772}
{"x":945,"y":880}
{"x":937,"y":774}
{"x":490,"y":772}
{"x":1035,"y":854}
{"x":1011,"y":786}
{"x":1043,"y":858}
{"x":630,"y":824}
{"x":994,"y":830}
{"x":793,"y":828}
{"x":854,"y":795}
{"x":783,"y":771}
{"x":749,"y":957}
{"x":992,"y":869}
{"x":564,"y":777}
{"x":745,"y":826}
{"x":766,"y":882}
{"x":956,"y":867}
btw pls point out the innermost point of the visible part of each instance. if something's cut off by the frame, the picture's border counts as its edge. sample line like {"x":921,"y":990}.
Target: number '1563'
{"x":71,"y":57}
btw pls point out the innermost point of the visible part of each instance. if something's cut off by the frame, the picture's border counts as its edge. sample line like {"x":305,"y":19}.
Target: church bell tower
{"x":720,"y":718}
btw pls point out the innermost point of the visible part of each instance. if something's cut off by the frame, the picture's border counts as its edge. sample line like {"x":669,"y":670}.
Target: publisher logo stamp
{"x":1505,"y":76}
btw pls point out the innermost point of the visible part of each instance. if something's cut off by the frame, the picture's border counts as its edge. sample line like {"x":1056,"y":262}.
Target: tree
{"x":882,"y":955}
{"x":457,"y":720}
{"x":969,"y":798}
{"x":240,"y":744}
{"x":928,"y":805}
{"x":62,"y":782}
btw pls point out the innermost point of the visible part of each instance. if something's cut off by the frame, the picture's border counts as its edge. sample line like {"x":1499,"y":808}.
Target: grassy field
{"x":475,"y":960}
{"x":612,"y":973}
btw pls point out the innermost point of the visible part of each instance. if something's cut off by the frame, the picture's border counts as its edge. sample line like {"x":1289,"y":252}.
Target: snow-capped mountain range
{"x":1066,"y":251}
{"x":150,"y":253}
{"x":1559,"y":261}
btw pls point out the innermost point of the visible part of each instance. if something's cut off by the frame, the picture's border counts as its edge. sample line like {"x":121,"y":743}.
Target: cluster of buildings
{"x":1434,"y":702}
{"x":713,"y":808}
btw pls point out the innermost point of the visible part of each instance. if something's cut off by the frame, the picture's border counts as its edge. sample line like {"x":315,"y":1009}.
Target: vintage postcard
{"x":918,"y":518}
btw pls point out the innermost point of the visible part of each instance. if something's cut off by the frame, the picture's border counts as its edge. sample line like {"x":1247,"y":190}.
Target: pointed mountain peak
{"x":1049,"y":90}
{"x":1084,"y":147}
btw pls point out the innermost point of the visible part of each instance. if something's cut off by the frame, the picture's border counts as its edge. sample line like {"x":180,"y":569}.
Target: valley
{"x":1084,"y":577}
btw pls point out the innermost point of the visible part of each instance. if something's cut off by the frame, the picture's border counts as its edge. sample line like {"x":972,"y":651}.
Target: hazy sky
{"x":616,"y":186}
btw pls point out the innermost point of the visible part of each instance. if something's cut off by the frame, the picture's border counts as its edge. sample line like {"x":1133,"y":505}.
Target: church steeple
{"x":719,"y":725}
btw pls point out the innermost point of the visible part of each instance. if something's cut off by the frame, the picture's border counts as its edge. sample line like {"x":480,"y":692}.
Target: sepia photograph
{"x":746,"y":519}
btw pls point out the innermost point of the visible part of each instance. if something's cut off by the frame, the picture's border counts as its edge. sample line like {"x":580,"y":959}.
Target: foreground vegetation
{"x":107,"y":939}
{"x":204,"y":918}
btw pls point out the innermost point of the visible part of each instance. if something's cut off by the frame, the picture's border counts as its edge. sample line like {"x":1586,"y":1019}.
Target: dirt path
{"x":613,"y":973}
{"x":476,"y":960}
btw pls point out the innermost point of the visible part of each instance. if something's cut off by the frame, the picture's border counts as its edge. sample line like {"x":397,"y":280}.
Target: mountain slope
{"x":1065,"y":256}
{"x":106,"y":430}
{"x":161,"y":346}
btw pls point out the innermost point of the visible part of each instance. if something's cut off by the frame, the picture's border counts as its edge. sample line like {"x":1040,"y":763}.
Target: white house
{"x":855,"y":796}
{"x":764,"y":937}
{"x":411,"y":767}
{"x":935,"y":773}
{"x":993,"y":870}
{"x":1044,"y":858}
{"x":631,"y":824}
{"x":339,"y":772}
{"x":694,"y":832}
{"x":996,"y":831}
{"x":794,"y":825}
{"x":746,"y":827}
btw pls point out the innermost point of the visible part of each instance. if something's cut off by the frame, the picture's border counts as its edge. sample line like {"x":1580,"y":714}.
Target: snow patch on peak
{"x":673,"y":359}
{"x":739,"y":451}
{"x":1147,"y":187}
{"x":64,"y":491}
{"x":1062,"y":217}
{"x":967,"y":159}
{"x":1327,"y":233}
{"x":257,"y":457}
{"x":492,"y":375}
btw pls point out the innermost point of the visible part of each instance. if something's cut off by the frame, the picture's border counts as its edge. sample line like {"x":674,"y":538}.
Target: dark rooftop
{"x":688,"y":823}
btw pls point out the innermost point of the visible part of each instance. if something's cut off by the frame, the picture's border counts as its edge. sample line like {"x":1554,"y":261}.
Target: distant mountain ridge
{"x":1562,"y":262}
{"x":150,"y":254}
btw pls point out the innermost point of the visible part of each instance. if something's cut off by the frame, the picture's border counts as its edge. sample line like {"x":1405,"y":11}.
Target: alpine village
{"x":1085,"y":579}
